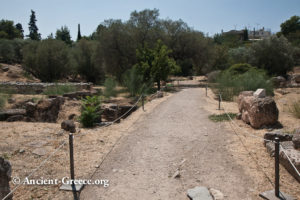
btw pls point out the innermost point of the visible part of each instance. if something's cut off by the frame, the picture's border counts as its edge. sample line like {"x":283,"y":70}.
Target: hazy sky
{"x":208,"y":16}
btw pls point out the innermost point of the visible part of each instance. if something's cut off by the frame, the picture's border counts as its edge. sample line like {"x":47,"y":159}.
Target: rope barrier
{"x":56,"y":150}
{"x":35,"y":170}
{"x":284,"y":151}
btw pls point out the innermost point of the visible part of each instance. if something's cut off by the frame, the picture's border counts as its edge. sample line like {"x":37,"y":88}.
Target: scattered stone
{"x":11,"y":100}
{"x":5,"y":114}
{"x":281,"y":136}
{"x":97,"y":166}
{"x":279,"y":81}
{"x":258,"y":111}
{"x":5,"y":177}
{"x":21,"y":151}
{"x":159,"y":94}
{"x":68,"y":125}
{"x":260,"y":93}
{"x":79,"y":94}
{"x":217,"y":195}
{"x":294,"y":156}
{"x":15,"y":118}
{"x":199,"y":193}
{"x":296,"y":141}
{"x":4,"y":69}
{"x":40,"y":151}
{"x":239,"y":116}
{"x":176,"y":174}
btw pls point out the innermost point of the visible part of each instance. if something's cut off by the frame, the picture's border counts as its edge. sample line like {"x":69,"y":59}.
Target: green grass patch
{"x":222,"y":117}
{"x":59,"y":89}
{"x":295,"y":109}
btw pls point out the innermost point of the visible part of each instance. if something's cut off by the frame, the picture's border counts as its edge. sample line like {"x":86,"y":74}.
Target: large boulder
{"x":257,"y":111}
{"x":5,"y":177}
{"x":279,"y":81}
{"x":46,"y":110}
{"x":296,"y":141}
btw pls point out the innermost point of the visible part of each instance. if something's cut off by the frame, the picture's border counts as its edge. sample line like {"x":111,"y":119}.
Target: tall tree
{"x":33,"y":29}
{"x":155,"y":63}
{"x":8,"y":30}
{"x":290,"y":25}
{"x":20,"y":29}
{"x":79,"y":33}
{"x":245,"y":35}
{"x":64,"y":35}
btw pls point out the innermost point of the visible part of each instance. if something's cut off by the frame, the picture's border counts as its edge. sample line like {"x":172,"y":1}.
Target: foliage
{"x":239,"y":68}
{"x":155,"y":63}
{"x":3,"y":100}
{"x":290,"y":25}
{"x":239,"y":55}
{"x":87,"y":61}
{"x":19,"y":27}
{"x":11,"y":50}
{"x":133,"y":81}
{"x":90,"y":111}
{"x":220,"y":58}
{"x":9,"y":31}
{"x":212,"y":76}
{"x":275,"y":55}
{"x":230,"y":85}
{"x":64,"y":34}
{"x":110,"y":88}
{"x":58,"y":89}
{"x":47,"y":60}
{"x":222,"y":117}
{"x":295,"y":109}
{"x":33,"y":29}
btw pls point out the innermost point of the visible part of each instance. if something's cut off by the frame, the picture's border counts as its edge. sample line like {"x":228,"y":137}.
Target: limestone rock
{"x":260,"y":93}
{"x":294,"y":156}
{"x":216,"y":194}
{"x":296,"y":141}
{"x":5,"y":114}
{"x":5,"y":177}
{"x":281,"y":136}
{"x":199,"y":193}
{"x":15,"y":118}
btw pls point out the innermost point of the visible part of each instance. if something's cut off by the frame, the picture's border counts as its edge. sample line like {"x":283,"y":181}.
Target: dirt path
{"x":178,"y":131}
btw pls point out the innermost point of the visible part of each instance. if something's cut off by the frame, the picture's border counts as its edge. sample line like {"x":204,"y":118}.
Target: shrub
{"x":59,"y":89}
{"x":275,"y":55}
{"x":212,"y":76}
{"x":47,"y":60}
{"x":3,"y":99}
{"x":133,"y":81}
{"x":239,"y":55}
{"x":87,"y":63}
{"x":90,"y":111}
{"x":230,"y":85}
{"x":239,"y":68}
{"x":110,"y":88}
{"x":296,"y":109}
{"x":10,"y":50}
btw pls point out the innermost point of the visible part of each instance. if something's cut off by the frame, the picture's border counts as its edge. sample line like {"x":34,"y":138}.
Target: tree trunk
{"x":158,"y":84}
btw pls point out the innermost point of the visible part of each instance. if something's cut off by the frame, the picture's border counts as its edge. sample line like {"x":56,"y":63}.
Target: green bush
{"x":133,"y":81}
{"x":296,"y":109}
{"x":110,"y":88}
{"x":10,"y":50}
{"x":47,"y":60}
{"x":90,"y":111}
{"x":275,"y":55}
{"x":59,"y":89}
{"x":230,"y":85}
{"x":222,"y":117}
{"x":239,"y":68}
{"x":3,"y":99}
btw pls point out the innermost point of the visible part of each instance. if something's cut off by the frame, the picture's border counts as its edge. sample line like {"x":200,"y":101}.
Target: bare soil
{"x":16,"y":74}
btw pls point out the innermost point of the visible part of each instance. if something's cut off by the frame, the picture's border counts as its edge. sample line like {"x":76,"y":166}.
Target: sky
{"x":208,"y":16}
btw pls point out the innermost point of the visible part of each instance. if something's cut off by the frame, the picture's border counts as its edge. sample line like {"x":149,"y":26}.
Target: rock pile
{"x":5,"y":177}
{"x":256,"y":109}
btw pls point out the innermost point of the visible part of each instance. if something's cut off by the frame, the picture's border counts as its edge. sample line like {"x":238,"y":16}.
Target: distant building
{"x":259,"y":34}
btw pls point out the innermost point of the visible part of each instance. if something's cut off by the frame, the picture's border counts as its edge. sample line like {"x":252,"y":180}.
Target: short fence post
{"x":277,"y":146}
{"x":143,"y":103}
{"x":206,"y":89}
{"x":72,"y":165}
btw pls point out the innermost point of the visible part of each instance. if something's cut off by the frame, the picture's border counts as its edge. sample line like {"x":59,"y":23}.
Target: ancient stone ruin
{"x":291,"y":144}
{"x":257,"y":109}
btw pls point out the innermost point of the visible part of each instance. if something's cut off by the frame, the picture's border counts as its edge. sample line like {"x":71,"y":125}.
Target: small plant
{"x":222,"y":117}
{"x":90,"y":111}
{"x":295,"y":109}
{"x":3,"y":99}
{"x":110,"y":88}
{"x":59,"y":89}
